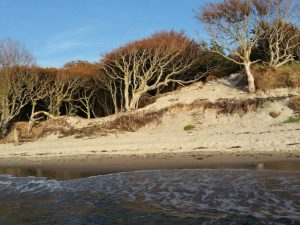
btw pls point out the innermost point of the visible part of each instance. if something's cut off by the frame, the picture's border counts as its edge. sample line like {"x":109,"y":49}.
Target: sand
{"x":216,"y":139}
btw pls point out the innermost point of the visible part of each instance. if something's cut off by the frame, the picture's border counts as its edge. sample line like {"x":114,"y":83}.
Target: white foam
{"x":263,"y":194}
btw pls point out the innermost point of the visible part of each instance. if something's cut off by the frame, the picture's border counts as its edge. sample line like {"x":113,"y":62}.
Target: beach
{"x":213,"y":139}
{"x":202,"y":153}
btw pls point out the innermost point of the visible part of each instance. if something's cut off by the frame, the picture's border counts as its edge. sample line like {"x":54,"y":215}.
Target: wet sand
{"x":90,"y":165}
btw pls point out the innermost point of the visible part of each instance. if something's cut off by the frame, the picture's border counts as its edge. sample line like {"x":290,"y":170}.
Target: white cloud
{"x":71,"y":40}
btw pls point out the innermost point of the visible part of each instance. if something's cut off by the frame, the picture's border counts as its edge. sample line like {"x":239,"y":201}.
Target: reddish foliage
{"x":166,"y":40}
{"x":230,"y":10}
{"x":19,"y":69}
{"x":79,"y":69}
{"x":48,"y":71}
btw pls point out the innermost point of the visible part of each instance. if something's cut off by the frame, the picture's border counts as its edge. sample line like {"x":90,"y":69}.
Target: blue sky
{"x":58,"y":31}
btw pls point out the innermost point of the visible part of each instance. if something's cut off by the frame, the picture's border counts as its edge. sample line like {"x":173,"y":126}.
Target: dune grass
{"x":282,"y":77}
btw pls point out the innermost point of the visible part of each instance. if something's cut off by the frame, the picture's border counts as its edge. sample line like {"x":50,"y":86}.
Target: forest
{"x":258,"y":38}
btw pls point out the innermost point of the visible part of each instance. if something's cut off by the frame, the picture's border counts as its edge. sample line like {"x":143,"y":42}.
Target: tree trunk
{"x":134,"y":102}
{"x":3,"y":129}
{"x":57,"y":111}
{"x":33,"y":121}
{"x":126,"y":95}
{"x":32,"y":109}
{"x":16,"y":137}
{"x":88,"y":113}
{"x":114,"y":99}
{"x":250,"y":78}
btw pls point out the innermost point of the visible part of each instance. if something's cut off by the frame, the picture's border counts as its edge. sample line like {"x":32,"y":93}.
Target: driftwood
{"x":34,"y":120}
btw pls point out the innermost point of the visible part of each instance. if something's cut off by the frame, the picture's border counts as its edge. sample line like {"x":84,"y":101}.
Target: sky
{"x":59,"y":31}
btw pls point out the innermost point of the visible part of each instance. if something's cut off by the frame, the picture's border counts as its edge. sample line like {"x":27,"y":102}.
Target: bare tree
{"x":60,"y":90}
{"x":13,"y":97}
{"x":13,"y":53}
{"x":37,"y":92}
{"x":86,"y":100}
{"x":150,"y":64}
{"x":280,"y":33}
{"x":104,"y":104}
{"x":145,"y":71}
{"x":79,"y":86}
{"x":37,"y":88}
{"x":113,"y":86}
{"x":15,"y":70}
{"x":231,"y":24}
{"x":86,"y":97}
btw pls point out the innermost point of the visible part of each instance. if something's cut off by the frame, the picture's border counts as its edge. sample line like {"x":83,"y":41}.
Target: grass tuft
{"x":189,"y":127}
{"x":79,"y":136}
{"x":293,"y":119}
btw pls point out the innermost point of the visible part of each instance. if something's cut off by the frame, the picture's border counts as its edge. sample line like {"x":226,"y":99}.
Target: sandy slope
{"x":253,"y":133}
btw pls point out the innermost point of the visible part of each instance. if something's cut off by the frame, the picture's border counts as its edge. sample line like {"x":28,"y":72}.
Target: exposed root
{"x":134,"y":121}
{"x":34,"y":119}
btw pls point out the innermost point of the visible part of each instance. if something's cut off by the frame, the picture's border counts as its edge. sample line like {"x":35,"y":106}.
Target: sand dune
{"x":248,"y":134}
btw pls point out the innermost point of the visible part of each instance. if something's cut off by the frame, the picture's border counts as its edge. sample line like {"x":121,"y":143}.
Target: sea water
{"x":185,"y":196}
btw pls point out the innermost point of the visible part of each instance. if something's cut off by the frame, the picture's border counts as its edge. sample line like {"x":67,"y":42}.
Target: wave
{"x":192,"y":193}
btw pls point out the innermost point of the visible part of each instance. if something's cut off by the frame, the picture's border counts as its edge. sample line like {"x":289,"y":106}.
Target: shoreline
{"x":243,"y":139}
{"x":77,"y":166}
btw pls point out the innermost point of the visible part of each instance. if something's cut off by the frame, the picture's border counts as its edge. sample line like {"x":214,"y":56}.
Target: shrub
{"x":213,"y":62}
{"x":270,"y":78}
